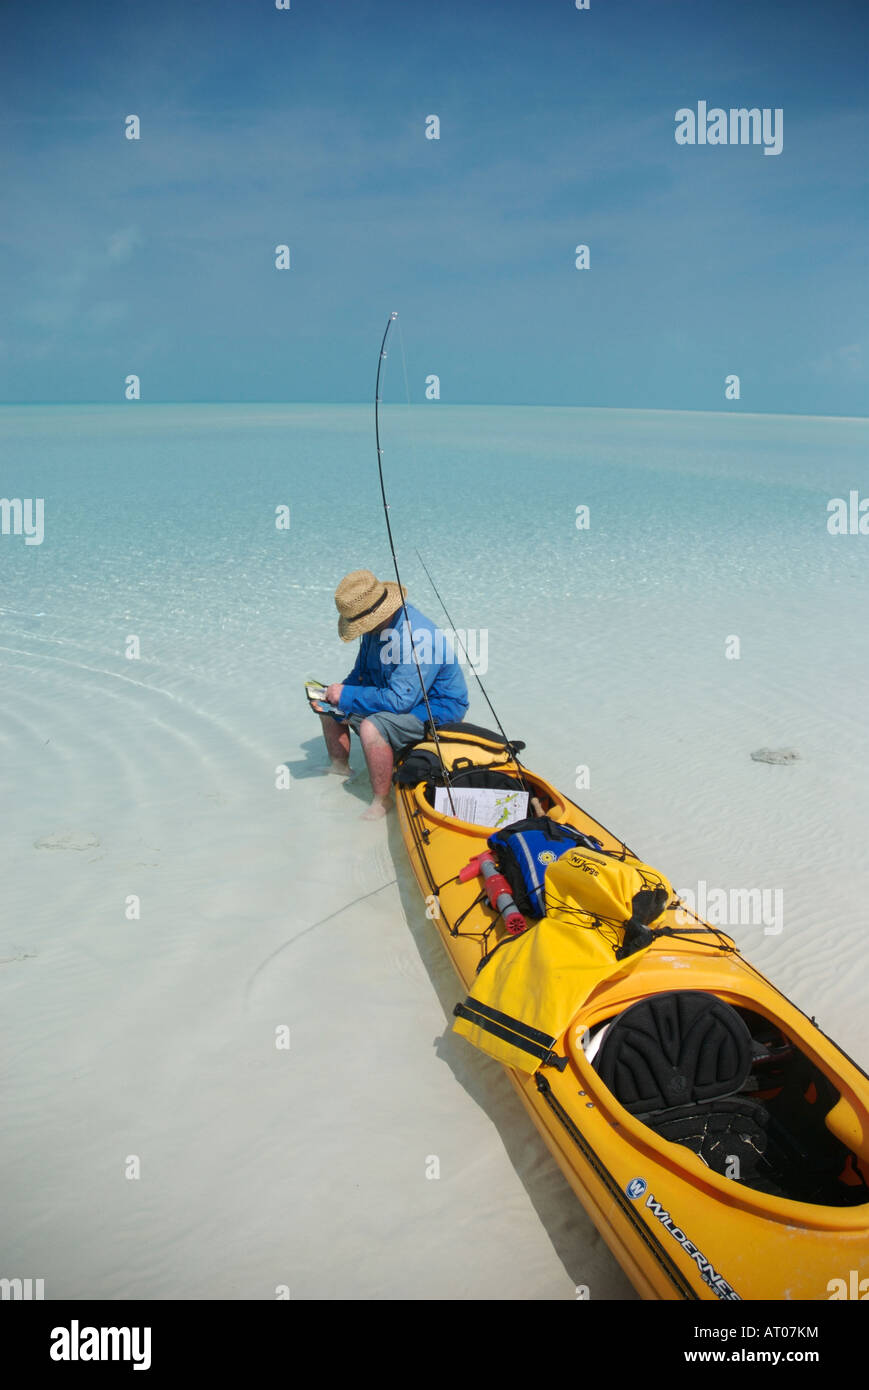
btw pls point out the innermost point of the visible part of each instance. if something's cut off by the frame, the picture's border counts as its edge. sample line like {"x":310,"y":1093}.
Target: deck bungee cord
{"x":612,"y":928}
{"x":448,"y":784}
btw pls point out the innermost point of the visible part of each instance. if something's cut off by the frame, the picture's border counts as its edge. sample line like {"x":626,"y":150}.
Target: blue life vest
{"x":524,"y":851}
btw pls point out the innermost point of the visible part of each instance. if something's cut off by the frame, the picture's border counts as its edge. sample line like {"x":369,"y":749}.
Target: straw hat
{"x":364,"y":602}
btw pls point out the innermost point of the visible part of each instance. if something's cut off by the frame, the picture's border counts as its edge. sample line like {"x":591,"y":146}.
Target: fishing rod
{"x":508,"y":745}
{"x":392,"y":317}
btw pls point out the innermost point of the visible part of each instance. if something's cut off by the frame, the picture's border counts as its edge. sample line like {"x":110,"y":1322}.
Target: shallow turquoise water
{"x":156,"y":777}
{"x":144,"y":503}
{"x":160,"y":522}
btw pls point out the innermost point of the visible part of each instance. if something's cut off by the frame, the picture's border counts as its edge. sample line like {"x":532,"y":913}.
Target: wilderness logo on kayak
{"x":717,"y":1283}
{"x":738,"y":126}
{"x":637,"y":1188}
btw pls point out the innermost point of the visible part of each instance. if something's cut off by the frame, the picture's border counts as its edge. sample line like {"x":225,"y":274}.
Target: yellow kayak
{"x":783,"y":1216}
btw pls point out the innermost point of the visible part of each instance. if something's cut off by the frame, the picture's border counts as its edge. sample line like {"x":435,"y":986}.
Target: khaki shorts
{"x":397,"y":729}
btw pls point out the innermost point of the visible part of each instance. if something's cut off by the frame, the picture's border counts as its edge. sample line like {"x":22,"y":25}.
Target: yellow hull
{"x":687,"y":1232}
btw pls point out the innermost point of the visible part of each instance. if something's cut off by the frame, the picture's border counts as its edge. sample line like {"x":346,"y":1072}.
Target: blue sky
{"x":307,"y":127}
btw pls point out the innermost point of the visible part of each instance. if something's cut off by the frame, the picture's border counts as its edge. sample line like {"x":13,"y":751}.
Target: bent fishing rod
{"x":392,"y":317}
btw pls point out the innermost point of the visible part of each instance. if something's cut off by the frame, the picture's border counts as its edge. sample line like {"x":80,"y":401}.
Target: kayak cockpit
{"x":731,"y":1085}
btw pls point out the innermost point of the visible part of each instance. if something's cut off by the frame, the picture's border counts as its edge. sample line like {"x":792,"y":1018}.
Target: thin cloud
{"x":123,"y":244}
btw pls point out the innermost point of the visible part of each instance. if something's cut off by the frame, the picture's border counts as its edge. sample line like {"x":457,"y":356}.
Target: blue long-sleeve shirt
{"x":385,"y":675}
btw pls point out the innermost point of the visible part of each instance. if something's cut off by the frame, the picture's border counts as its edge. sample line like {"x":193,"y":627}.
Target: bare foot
{"x":376,"y":810}
{"x":339,"y":769}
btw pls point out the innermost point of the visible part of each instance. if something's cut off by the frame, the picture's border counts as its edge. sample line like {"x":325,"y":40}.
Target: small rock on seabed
{"x":72,"y":839}
{"x":775,"y":755}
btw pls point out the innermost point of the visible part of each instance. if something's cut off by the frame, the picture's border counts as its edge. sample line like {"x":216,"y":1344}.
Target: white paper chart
{"x":483,"y":805}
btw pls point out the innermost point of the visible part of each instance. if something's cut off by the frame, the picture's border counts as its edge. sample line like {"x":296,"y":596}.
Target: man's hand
{"x":333,"y":694}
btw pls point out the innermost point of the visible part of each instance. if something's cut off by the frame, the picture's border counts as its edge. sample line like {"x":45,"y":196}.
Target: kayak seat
{"x":718,"y":1131}
{"x":473,"y":731}
{"x":423,"y":761}
{"x":676,"y":1061}
{"x":675,"y":1049}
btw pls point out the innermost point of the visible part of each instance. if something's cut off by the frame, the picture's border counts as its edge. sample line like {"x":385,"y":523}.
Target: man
{"x":382,"y":696}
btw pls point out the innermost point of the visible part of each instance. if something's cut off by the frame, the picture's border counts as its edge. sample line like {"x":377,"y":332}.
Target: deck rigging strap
{"x":448,"y":784}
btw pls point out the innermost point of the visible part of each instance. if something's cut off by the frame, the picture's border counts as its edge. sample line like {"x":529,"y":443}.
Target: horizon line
{"x":462,"y":405}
